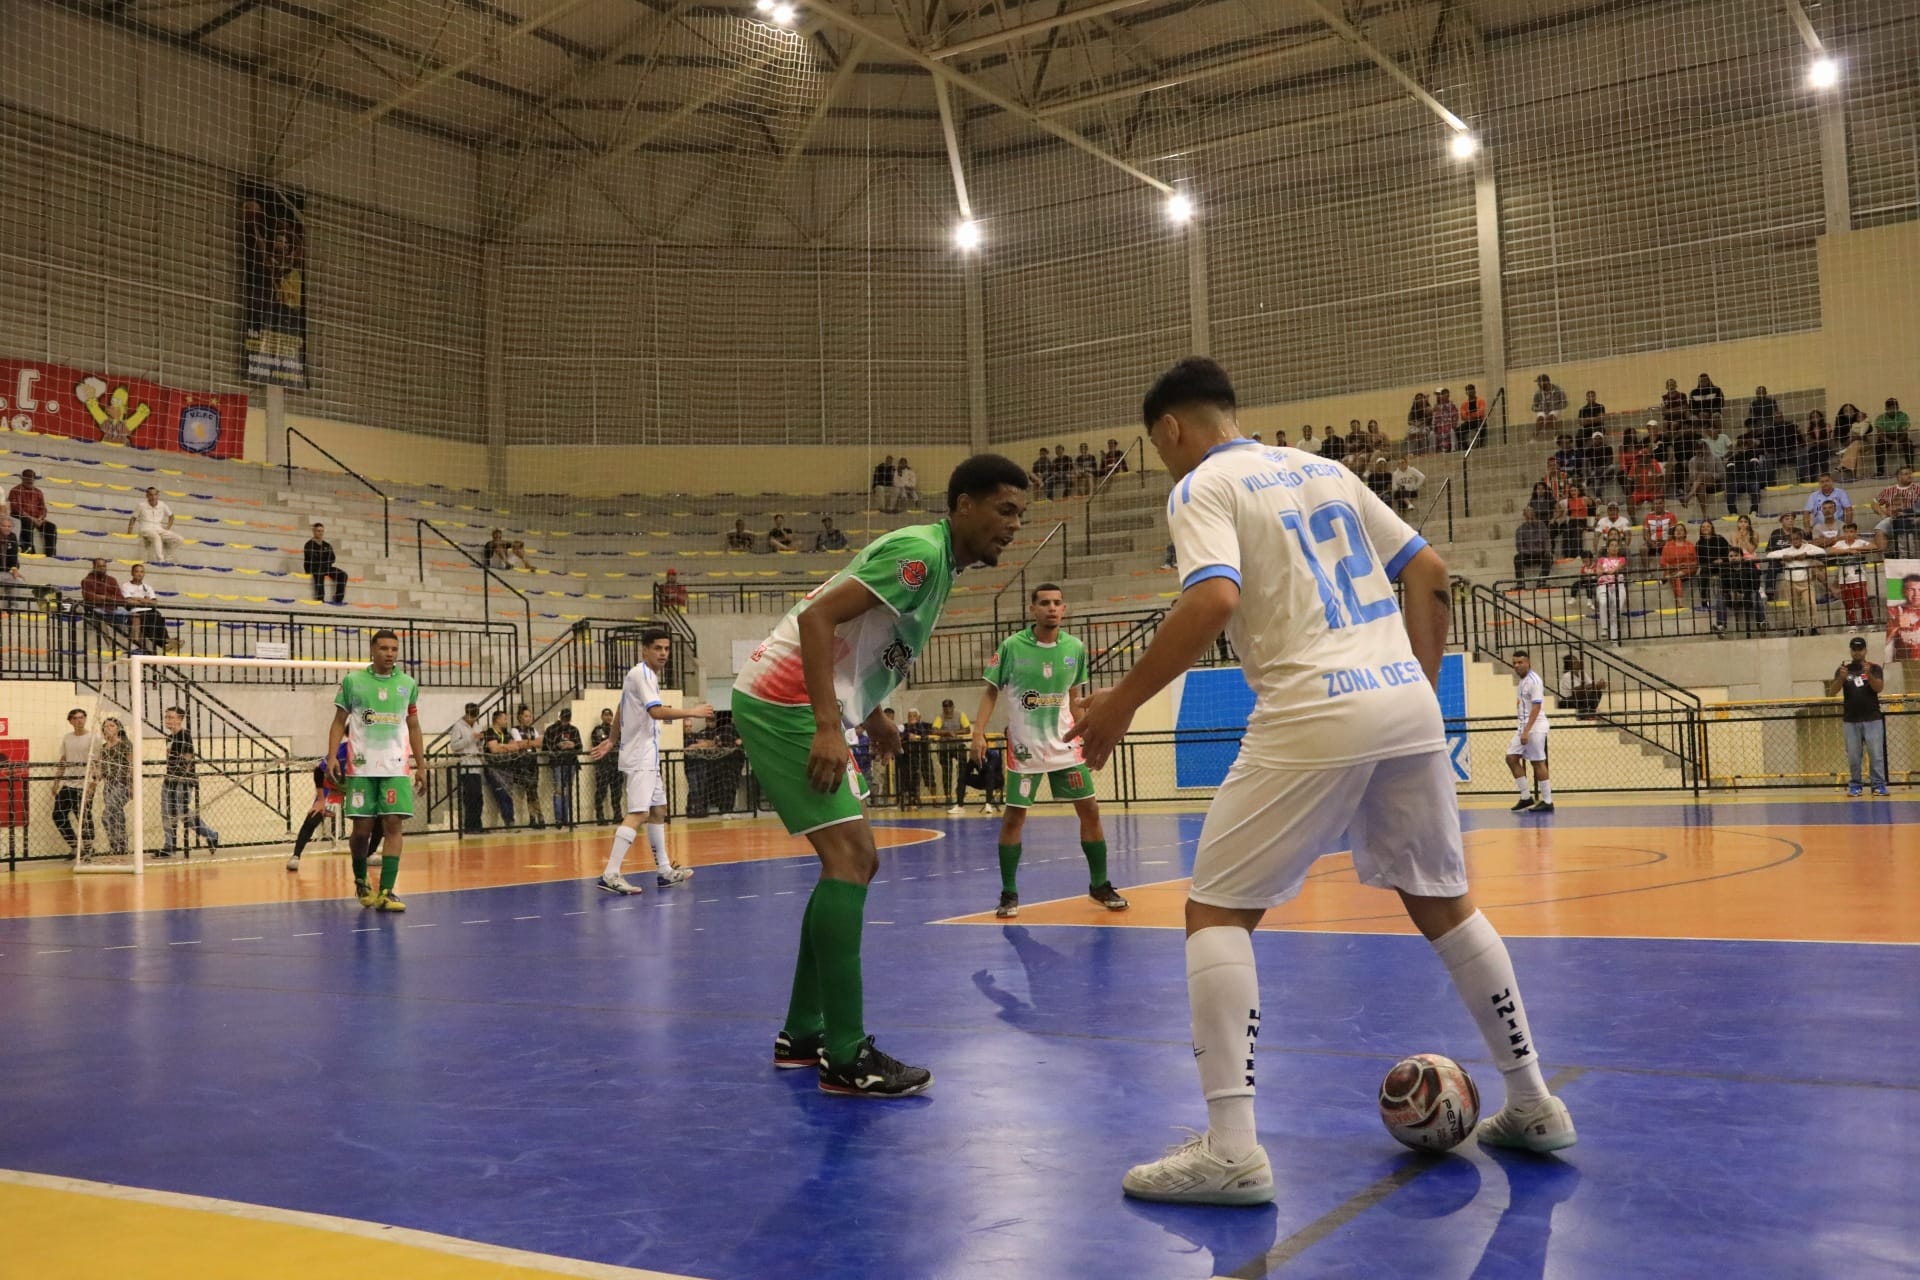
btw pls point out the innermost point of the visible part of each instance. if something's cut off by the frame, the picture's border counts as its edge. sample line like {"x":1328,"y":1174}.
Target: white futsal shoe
{"x":1191,"y":1174}
{"x":672,"y":876}
{"x":1541,"y":1127}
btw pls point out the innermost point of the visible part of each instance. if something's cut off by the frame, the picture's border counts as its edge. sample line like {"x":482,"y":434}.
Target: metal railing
{"x":386,"y":503}
{"x":741,"y":597}
{"x":487,"y":576}
{"x":1445,"y":495}
{"x":1137,"y":450}
{"x":958,"y":655}
{"x":1019,"y":579}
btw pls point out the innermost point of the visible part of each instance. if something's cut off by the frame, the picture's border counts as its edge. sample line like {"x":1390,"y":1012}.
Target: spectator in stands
{"x":673,"y":592}
{"x":152,"y":519}
{"x":1706,"y":476}
{"x":952,"y":731}
{"x":143,"y":609}
{"x":71,"y":794}
{"x":1763,"y":408}
{"x":1891,"y":434}
{"x":1711,"y":553}
{"x":1572,"y":517}
{"x":1746,"y":468}
{"x":1816,"y":448}
{"x":1641,"y":475}
{"x":1596,"y":465}
{"x":829,"y":538}
{"x":1532,"y":547}
{"x":1825,"y":529}
{"x":1611,"y":525}
{"x":906,"y":487}
{"x":28,"y":506}
{"x":1407,"y":482}
{"x":1656,"y":530}
{"x":740,"y":538}
{"x":1847,"y":560}
{"x":1446,"y":420}
{"x":1307,"y":443}
{"x":1592,"y":415}
{"x":881,"y":493}
{"x":100,"y":591}
{"x":1680,"y":562}
{"x":1827,"y":492}
{"x":1797,"y":561}
{"x":1850,"y":450}
{"x":561,"y":745}
{"x":1859,"y":684}
{"x":1549,"y":402}
{"x":1379,"y":477}
{"x":1576,"y":689}
{"x":1359,"y":451}
{"x":1705,"y":403}
{"x":1420,"y":438}
{"x":180,"y":789}
{"x":500,"y":553}
{"x":779,"y":536}
{"x":526,"y":765}
{"x":1674,"y":409}
{"x":1775,"y":541}
{"x":502,"y":750}
{"x":1901,"y":498}
{"x":1568,"y":456}
{"x":1333,"y":445}
{"x":1718,"y":441}
{"x":609,"y":792}
{"x":1583,"y":585}
{"x":1086,"y":469}
{"x":463,"y":744}
{"x":1473,"y":416}
{"x":1062,"y":471}
{"x":916,"y":757}
{"x":1376,"y":438}
{"x":319,"y":565}
{"x":1040,"y":473}
{"x":1610,"y":581}
{"x":9,"y":550}
{"x":1114,"y":460}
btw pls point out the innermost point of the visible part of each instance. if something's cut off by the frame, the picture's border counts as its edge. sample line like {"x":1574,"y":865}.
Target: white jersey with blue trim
{"x":1320,"y":637}
{"x":639,"y":732}
{"x":1529,"y":693}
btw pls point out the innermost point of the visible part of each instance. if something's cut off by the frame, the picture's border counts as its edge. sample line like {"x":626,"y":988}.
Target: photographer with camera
{"x":1859,"y":683}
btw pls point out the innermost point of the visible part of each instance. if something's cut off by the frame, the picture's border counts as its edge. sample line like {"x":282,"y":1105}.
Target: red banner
{"x":56,"y":400}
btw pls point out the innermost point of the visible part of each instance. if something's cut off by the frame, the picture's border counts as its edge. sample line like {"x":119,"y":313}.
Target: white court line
{"x":191,"y":942}
{"x":742,"y":897}
{"x":131,"y":946}
{"x":55,"y":951}
{"x":247,"y":939}
{"x":476,"y":922}
{"x":574,"y":913}
{"x":374,"y":929}
{"x":418,"y":926}
{"x":526,"y":917}
{"x":307,"y":935}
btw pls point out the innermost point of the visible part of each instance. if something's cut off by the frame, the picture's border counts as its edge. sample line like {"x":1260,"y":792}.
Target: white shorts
{"x":645,"y":788}
{"x":1532,"y":747}
{"x":1267,"y":827}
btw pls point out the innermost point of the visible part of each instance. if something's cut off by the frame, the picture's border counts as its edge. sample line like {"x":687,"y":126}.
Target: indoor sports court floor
{"x":528,"y":1077}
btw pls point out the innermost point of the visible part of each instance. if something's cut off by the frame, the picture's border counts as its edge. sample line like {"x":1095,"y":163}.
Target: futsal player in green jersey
{"x":1044,"y":672}
{"x":827,"y":668}
{"x":376,"y":711}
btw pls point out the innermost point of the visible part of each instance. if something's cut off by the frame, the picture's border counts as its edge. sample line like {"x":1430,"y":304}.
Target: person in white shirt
{"x":153,"y":521}
{"x":1849,"y":557}
{"x":1407,"y":480}
{"x":1529,"y":744}
{"x":1613,"y":522}
{"x":1799,"y":560}
{"x":636,"y":734}
{"x":906,"y":487}
{"x":1307,"y":443}
{"x":1344,"y":750}
{"x":144,"y":611}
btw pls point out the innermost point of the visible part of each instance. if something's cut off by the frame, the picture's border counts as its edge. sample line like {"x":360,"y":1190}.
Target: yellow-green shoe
{"x":387,"y":902}
{"x":368,"y":895}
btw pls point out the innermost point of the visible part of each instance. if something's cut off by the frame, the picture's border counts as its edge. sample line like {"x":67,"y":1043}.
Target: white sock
{"x":622,"y":837}
{"x":1546,"y":790}
{"x":657,"y":837}
{"x":1483,"y":974}
{"x":1520,"y":784}
{"x":1224,"y":989}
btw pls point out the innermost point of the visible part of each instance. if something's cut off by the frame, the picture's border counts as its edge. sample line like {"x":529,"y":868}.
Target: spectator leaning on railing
{"x":1799,"y":559}
{"x":1847,"y":561}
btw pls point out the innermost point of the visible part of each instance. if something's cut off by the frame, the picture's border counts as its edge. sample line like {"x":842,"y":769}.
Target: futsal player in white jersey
{"x":1529,"y":743}
{"x":636,"y":728}
{"x":1296,"y":559}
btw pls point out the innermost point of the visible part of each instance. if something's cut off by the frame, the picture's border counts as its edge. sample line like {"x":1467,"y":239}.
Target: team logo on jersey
{"x":1070,"y":662}
{"x":1033,"y":699}
{"x":1046,"y":671}
{"x":913,"y":574}
{"x":762,"y":648}
{"x":383,"y":695}
{"x":896,"y":656}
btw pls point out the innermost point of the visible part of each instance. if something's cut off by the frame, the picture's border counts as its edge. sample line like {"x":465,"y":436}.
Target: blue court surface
{"x":553,"y":1069}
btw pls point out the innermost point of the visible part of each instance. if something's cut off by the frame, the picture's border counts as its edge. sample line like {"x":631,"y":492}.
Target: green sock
{"x":389,"y":869}
{"x":834,"y":920}
{"x":803,"y":1008}
{"x":1009,"y":868}
{"x":1096,"y":851}
{"x":357,"y":849}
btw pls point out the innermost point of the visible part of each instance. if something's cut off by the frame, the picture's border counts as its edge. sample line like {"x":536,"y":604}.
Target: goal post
{"x":251,"y":773}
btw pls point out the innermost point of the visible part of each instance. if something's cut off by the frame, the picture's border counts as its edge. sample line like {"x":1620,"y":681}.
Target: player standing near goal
{"x":1046,"y":671}
{"x":376,"y":712}
{"x":827,"y":668}
{"x":328,"y":793}
{"x":1529,"y":736}
{"x":1344,"y":749}
{"x":636,"y":732}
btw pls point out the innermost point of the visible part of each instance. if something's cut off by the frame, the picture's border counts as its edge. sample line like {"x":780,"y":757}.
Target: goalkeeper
{"x":369,"y":712}
{"x":327,"y":794}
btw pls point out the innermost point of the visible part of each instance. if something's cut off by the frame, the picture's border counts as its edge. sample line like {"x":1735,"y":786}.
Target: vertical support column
{"x":1199,"y":299}
{"x":493,"y":374}
{"x":976,"y":356}
{"x":1493,"y":301}
{"x":1835,"y":178}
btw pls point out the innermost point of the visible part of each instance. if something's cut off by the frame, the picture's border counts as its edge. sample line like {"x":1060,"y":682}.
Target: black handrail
{"x":1446,"y":493}
{"x":386,"y":504}
{"x":1138,"y":446}
{"x":488,"y":576}
{"x":1498,"y":403}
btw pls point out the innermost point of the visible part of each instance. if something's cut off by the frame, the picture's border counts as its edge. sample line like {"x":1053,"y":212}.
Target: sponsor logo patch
{"x":913,"y":574}
{"x":896,"y":656}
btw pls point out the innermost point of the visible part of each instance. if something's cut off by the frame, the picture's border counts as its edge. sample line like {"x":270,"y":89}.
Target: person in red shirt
{"x":1657,"y":529}
{"x":101,"y":590}
{"x":1680,"y":561}
{"x":673,"y":592}
{"x":1610,"y":576}
{"x":28,"y":505}
{"x":1473,"y":415}
{"x":1899,"y":498}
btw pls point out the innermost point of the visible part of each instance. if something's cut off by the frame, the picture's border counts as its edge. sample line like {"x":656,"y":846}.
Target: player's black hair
{"x":654,"y":635}
{"x":179,"y":711}
{"x":385,"y":633}
{"x":498,"y":712}
{"x":472,"y":708}
{"x":1045,"y":586}
{"x":1521,"y":653}
{"x":1195,"y":380}
{"x":80,"y":711}
{"x":982,"y":475}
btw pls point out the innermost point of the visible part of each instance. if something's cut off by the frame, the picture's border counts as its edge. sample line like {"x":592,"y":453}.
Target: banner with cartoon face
{"x":83,"y":404}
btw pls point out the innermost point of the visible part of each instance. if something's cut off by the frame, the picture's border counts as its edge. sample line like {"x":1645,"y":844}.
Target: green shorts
{"x":778,"y":741}
{"x":1065,"y":784}
{"x":376,"y":797}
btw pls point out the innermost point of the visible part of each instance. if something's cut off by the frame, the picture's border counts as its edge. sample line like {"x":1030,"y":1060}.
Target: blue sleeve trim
{"x":1211,"y":571}
{"x":1186,"y":488}
{"x":651,"y":705}
{"x":1406,"y":553}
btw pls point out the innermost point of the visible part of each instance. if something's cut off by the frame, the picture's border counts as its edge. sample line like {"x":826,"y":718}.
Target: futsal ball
{"x":1429,"y":1103}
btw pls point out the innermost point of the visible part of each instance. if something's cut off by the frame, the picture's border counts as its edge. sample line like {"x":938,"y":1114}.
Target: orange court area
{"x":1778,"y":883}
{"x":435,"y":864}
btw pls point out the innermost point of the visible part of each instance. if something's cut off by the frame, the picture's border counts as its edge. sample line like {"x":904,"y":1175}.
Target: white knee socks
{"x":657,"y":837}
{"x":1224,"y":990}
{"x":1520,"y":784}
{"x":1483,"y":974}
{"x":622,"y":837}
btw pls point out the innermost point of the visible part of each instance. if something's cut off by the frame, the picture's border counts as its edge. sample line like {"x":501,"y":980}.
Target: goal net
{"x":183,"y":768}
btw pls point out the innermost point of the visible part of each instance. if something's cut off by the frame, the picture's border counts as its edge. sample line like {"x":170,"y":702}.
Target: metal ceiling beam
{"x":1353,"y":36}
{"x":486,"y":52}
{"x":942,"y":96}
{"x":841,"y":79}
{"x":1804,"y":24}
{"x":653,"y":24}
{"x":1033,"y":28}
{"x":860,"y":27}
{"x":1247,"y":63}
